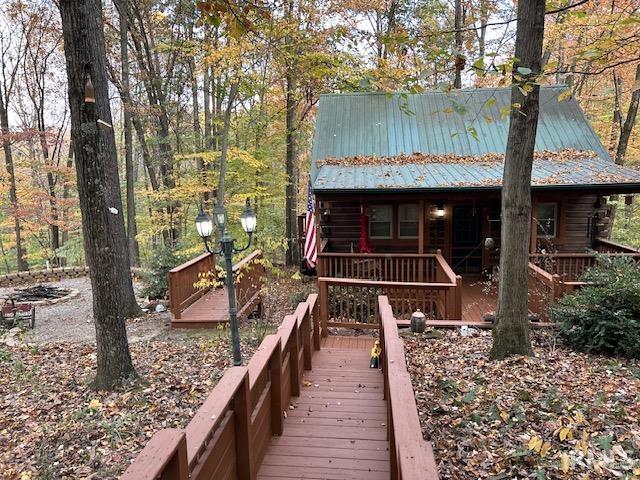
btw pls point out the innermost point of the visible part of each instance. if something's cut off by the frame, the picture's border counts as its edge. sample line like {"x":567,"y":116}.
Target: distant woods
{"x":217,"y":104}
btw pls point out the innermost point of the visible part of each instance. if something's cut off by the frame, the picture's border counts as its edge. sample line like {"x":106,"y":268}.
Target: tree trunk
{"x":616,"y":124}
{"x":225,"y":143}
{"x":54,"y":228}
{"x":291,"y":190}
{"x":66,"y":193}
{"x":132,"y":227}
{"x":98,"y":187}
{"x":459,"y":59}
{"x":482,"y":32}
{"x":627,"y":128}
{"x":21,"y":263}
{"x":511,"y":328}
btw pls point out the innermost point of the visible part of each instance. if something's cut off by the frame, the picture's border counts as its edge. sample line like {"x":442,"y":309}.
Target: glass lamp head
{"x":248,"y":219}
{"x":220,"y":217}
{"x":204,"y":225}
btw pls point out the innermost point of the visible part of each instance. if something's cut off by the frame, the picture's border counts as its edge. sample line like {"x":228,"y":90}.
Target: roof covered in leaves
{"x":449,"y":141}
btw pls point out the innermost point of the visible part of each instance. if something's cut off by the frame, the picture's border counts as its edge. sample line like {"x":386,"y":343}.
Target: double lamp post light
{"x":204,"y":225}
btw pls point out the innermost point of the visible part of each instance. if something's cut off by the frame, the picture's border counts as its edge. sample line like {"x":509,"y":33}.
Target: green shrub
{"x":156,"y":275}
{"x":604,"y":316}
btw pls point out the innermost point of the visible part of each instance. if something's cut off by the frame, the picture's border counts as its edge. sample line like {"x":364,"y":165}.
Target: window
{"x":408,"y":221}
{"x":380,"y":218}
{"x":547,"y":220}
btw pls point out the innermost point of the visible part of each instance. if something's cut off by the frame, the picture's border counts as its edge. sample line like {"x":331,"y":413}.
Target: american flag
{"x":310,"y":245}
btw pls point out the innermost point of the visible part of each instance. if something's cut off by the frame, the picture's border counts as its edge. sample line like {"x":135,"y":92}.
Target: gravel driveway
{"x":72,"y":320}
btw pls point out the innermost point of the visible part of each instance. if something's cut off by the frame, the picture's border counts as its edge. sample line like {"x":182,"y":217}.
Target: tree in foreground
{"x":98,"y":187}
{"x":511,"y":328}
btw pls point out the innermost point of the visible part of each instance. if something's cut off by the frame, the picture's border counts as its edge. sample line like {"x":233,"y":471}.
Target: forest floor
{"x":55,"y":426}
{"x":560,"y":414}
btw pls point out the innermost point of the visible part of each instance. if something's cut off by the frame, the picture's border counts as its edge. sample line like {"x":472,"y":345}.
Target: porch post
{"x":534,"y":227}
{"x":421,"y":218}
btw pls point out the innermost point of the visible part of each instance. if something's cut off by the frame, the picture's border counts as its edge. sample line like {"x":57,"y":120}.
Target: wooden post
{"x":556,"y":291}
{"x":457,"y":311}
{"x":323,"y":298}
{"x":294,"y":359}
{"x":277,"y":406}
{"x":242,"y":416}
{"x":178,"y":466}
{"x":164,"y":457}
{"x":534,"y":227}
{"x":421,"y":219}
{"x":316,"y":320}
{"x":174,"y":302}
{"x":306,"y":338}
{"x":421,"y":261}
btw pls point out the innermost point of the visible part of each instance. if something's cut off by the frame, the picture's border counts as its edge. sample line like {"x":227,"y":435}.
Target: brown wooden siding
{"x":341,"y":225}
{"x":575,"y":223}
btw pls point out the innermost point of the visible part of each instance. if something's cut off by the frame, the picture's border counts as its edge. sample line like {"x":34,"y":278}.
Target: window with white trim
{"x":408,"y":221}
{"x":380,"y":221}
{"x":547,"y":220}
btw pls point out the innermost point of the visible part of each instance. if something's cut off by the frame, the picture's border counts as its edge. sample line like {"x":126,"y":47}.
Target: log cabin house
{"x":407,"y":192}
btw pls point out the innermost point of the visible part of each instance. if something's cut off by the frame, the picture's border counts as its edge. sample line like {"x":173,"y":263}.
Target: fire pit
{"x":41,"y":294}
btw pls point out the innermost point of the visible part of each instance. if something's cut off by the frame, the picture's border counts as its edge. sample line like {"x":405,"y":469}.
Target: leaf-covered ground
{"x":53,"y":425}
{"x":559,"y":415}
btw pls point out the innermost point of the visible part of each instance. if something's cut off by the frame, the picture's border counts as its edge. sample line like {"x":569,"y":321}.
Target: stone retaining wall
{"x":51,"y":275}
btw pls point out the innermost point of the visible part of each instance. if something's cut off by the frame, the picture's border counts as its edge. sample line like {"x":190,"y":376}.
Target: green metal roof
{"x":465,"y":122}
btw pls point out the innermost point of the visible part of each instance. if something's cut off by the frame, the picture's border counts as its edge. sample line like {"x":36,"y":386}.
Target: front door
{"x":466,"y":235}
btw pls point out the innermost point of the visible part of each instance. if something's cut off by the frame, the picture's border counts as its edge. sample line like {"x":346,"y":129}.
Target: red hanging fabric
{"x":364,"y":236}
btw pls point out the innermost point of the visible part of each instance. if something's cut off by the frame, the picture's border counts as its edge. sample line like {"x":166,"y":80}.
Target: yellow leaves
{"x":504,"y":415}
{"x":546,"y":446}
{"x":565,"y":434}
{"x":95,"y":405}
{"x":565,"y":463}
{"x":565,"y":95}
{"x":536,"y":444}
{"x":26,"y":476}
{"x":582,"y":445}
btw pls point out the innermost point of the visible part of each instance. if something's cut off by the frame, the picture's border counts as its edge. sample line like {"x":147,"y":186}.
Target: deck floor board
{"x":337,"y":428}
{"x":211,"y":308}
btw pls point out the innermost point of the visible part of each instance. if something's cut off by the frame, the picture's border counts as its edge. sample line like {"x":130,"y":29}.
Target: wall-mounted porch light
{"x":439,"y":210}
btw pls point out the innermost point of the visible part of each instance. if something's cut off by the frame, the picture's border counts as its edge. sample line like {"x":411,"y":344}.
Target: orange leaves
{"x":422,"y":158}
{"x":549,"y":417}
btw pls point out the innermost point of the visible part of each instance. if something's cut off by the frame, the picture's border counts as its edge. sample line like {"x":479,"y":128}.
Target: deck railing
{"x":183,"y":279}
{"x":411,"y":456}
{"x":248,"y":274}
{"x":348,"y":298}
{"x":389,"y":267}
{"x":183,"y":291}
{"x":571,"y":266}
{"x":553,"y":275}
{"x":604,"y":245}
{"x":229,"y":434}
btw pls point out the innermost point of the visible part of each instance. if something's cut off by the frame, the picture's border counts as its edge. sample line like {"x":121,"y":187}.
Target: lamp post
{"x":204,"y":225}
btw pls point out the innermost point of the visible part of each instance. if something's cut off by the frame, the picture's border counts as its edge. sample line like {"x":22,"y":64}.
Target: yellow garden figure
{"x":375,"y":355}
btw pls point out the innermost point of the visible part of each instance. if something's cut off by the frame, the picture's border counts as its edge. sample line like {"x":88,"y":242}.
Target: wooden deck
{"x":307,"y":405}
{"x":337,"y":427}
{"x":195,"y":307}
{"x":211,"y":308}
{"x":479,"y":296}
